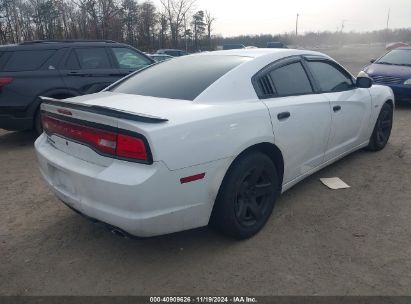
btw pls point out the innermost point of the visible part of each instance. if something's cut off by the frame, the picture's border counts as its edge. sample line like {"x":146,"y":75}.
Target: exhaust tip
{"x":118,"y":232}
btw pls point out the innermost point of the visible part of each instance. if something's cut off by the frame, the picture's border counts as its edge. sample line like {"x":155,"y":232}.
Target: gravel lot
{"x":318,"y":241}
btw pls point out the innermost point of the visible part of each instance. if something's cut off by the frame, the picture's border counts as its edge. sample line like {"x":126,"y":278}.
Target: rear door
{"x":301,"y":119}
{"x":350,"y":106}
{"x":89,"y":70}
{"x":128,"y":60}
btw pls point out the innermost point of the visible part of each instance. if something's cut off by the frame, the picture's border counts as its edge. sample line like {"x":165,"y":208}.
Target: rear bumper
{"x":13,"y":123}
{"x":143,"y":200}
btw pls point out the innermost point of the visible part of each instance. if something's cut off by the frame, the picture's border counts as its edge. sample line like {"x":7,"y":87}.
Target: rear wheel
{"x":38,"y":127}
{"x":382,"y":129}
{"x":247,"y":196}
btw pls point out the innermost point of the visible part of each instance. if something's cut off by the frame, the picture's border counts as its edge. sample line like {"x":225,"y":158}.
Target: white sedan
{"x":207,"y":138}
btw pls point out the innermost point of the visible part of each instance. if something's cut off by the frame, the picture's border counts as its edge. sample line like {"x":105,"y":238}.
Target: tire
{"x":247,"y":196}
{"x":382,"y":130}
{"x":38,"y":127}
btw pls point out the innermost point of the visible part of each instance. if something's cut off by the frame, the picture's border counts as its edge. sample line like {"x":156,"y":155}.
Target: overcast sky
{"x":235,"y":17}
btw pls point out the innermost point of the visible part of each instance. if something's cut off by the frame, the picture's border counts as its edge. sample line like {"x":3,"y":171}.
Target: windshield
{"x":181,"y":78}
{"x":396,"y":57}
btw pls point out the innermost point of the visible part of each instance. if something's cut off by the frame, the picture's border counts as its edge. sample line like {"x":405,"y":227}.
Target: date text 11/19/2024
{"x":203,"y":299}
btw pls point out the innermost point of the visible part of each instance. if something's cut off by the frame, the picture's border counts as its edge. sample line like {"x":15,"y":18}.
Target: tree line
{"x":174,"y":24}
{"x":324,"y":38}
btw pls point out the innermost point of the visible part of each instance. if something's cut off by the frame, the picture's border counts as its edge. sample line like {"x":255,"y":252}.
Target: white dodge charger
{"x":207,"y":138}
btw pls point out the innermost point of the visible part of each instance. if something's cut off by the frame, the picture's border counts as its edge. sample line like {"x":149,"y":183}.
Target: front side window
{"x":329,"y":78}
{"x":129,"y":59}
{"x":290,"y":80}
{"x":93,"y":58}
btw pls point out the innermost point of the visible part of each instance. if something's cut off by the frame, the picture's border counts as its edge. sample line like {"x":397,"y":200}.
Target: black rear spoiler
{"x":106,"y":111}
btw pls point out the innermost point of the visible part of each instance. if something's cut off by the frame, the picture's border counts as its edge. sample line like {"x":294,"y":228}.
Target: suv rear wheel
{"x":38,"y":127}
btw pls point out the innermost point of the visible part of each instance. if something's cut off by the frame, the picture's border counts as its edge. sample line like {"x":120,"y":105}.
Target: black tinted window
{"x":72,"y":62}
{"x":181,"y":78}
{"x":27,"y":60}
{"x":291,"y":80}
{"x":329,"y":78}
{"x":93,"y":58}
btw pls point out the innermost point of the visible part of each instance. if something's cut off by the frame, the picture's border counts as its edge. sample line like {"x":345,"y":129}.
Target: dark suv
{"x":58,"y":69}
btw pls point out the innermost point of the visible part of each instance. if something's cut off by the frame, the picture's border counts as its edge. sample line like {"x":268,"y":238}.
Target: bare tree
{"x":176,"y":11}
{"x":209,"y":20}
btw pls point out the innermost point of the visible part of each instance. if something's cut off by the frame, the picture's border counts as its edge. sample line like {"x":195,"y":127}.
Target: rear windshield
{"x":181,"y":78}
{"x":27,"y":60}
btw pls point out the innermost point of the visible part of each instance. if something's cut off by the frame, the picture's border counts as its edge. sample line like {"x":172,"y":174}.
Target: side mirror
{"x":372,"y":60}
{"x":364,"y":82}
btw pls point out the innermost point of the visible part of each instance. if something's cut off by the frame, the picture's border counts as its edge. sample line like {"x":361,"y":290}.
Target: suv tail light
{"x":113,"y":143}
{"x":5,"y":81}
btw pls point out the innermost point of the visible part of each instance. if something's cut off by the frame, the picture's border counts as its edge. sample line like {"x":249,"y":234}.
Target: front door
{"x":350,"y":107}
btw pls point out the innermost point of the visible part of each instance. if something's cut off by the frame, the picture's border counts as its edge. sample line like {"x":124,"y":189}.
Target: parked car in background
{"x":233,"y":46}
{"x":160,"y":57}
{"x":396,"y":45}
{"x":58,"y":69}
{"x":393,"y":70}
{"x":212,"y":137}
{"x":172,"y":52}
{"x":276,"y":45}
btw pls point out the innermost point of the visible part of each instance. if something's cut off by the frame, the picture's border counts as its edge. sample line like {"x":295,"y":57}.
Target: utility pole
{"x":388,"y":17}
{"x":296,"y":25}
{"x":342,"y":25}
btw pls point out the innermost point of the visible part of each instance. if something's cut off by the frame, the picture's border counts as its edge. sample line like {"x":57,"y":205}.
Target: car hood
{"x":389,"y":70}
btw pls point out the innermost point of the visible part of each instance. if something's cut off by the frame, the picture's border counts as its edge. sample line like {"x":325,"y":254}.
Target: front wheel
{"x":247,"y":196}
{"x":382,"y":129}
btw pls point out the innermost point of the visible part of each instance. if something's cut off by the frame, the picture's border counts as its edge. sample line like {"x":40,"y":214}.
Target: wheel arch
{"x":271,"y":150}
{"x":391,"y":103}
{"x":55,"y":93}
{"x":267,"y":148}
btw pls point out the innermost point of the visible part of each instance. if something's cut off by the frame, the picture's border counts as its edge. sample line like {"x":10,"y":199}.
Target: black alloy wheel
{"x":382,"y":129}
{"x":247,"y":196}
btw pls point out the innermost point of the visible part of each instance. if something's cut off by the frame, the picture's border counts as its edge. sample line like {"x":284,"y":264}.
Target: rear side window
{"x":27,"y":60}
{"x":93,"y":58}
{"x":290,"y":80}
{"x":72,"y":62}
{"x":173,"y":53}
{"x":329,"y":78}
{"x":181,"y":78}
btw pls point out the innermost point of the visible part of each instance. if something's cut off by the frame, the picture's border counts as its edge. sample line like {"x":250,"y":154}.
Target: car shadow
{"x":17,"y":138}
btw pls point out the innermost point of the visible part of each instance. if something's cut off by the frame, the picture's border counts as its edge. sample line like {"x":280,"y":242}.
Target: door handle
{"x":80,"y":74}
{"x":337,"y":108}
{"x":283,"y":115}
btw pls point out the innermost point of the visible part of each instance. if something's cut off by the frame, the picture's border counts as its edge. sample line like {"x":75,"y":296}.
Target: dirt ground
{"x":317,"y":242}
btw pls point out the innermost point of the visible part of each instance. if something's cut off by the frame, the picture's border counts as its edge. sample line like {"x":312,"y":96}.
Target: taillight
{"x":5,"y":81}
{"x":131,"y":147}
{"x":109,"y":143}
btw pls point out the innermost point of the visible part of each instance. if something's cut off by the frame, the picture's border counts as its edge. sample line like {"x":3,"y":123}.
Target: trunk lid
{"x":112,"y":111}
